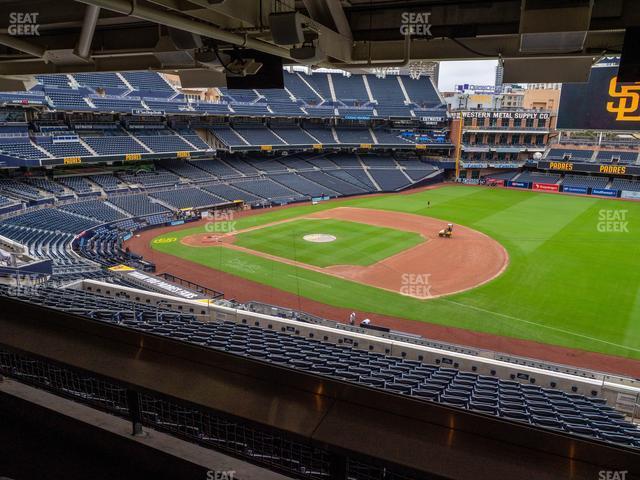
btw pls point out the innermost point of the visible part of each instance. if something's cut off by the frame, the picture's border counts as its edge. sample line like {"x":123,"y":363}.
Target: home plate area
{"x":430,"y":267}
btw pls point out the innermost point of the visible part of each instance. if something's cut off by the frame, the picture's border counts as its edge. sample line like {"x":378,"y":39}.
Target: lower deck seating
{"x":137,"y":205}
{"x":322,"y":135}
{"x":185,"y":169}
{"x":624,"y":184}
{"x":78,"y":184}
{"x":114,"y":143}
{"x":354,"y":136}
{"x":538,"y":177}
{"x":258,"y":135}
{"x":217,"y":168}
{"x":302,"y":185}
{"x":231,"y":193}
{"x":390,"y":180}
{"x":164,"y":141}
{"x":96,"y":209}
{"x":268,"y":189}
{"x":333,"y":184}
{"x":188,"y":198}
{"x":229,"y":136}
{"x":356,"y":177}
{"x":47,"y":244}
{"x":159,"y":178}
{"x":503,"y":175}
{"x":109,"y":183}
{"x":52,"y":219}
{"x":21,"y":190}
{"x":585,"y":181}
{"x":294,"y":135}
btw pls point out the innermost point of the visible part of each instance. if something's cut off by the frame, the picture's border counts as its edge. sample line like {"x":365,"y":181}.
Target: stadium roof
{"x":341,"y":34}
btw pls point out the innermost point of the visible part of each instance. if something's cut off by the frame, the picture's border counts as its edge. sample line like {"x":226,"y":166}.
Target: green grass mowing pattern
{"x":567,"y":283}
{"x":355,"y":244}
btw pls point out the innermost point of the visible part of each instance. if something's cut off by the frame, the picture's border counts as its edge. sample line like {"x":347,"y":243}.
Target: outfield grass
{"x":568,"y":283}
{"x":355,"y":243}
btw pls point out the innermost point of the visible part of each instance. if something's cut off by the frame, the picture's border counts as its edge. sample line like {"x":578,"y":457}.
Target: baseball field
{"x":554,"y":269}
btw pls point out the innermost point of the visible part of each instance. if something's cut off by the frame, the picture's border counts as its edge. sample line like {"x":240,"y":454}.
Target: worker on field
{"x":352,"y":318}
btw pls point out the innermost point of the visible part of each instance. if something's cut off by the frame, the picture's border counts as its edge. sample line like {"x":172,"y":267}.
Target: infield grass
{"x":355,"y":243}
{"x":569,"y":281}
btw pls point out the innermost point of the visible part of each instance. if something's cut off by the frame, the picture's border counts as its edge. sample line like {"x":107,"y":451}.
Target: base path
{"x":245,"y":290}
{"x":435,"y":267}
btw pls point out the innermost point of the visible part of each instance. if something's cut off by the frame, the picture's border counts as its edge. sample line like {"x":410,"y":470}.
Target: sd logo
{"x":626,"y":108}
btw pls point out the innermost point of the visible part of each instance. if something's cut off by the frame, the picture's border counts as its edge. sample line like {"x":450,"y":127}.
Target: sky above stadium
{"x":475,"y":72}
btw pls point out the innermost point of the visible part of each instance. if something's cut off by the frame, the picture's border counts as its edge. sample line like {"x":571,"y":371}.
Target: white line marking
{"x":307,"y":280}
{"x":568,"y":332}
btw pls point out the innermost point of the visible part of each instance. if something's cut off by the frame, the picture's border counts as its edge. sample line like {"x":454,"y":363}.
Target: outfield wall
{"x":556,"y":188}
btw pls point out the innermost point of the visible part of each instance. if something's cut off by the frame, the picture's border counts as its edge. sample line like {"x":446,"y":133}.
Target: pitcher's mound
{"x":319,"y":238}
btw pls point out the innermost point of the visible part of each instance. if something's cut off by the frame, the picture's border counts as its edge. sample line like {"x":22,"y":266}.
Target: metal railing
{"x":262,"y":445}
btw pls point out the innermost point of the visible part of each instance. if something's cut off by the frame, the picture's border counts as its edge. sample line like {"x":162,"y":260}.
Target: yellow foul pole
{"x":459,"y":146}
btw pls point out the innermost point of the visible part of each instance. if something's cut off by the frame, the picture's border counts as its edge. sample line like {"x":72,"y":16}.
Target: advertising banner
{"x":474,"y":165}
{"x":519,"y":184}
{"x":498,"y":182}
{"x":579,"y":190}
{"x":630,"y":194}
{"x":604,"y":192}
{"x":506,"y":165}
{"x":547,"y":187}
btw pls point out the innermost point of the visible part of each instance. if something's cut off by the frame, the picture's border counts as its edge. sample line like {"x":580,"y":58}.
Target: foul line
{"x":568,"y":332}
{"x":307,"y":280}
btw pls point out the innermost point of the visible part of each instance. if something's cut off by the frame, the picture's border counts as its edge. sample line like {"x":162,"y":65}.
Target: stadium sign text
{"x":507,"y":115}
{"x":614,"y":169}
{"x":561,"y":166}
{"x":166,"y":286}
{"x":589,"y":167}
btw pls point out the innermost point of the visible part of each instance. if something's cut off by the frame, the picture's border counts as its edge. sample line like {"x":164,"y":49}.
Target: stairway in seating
{"x":407,"y":100}
{"x":366,"y":170}
{"x":367,"y":88}
{"x":331,"y":89}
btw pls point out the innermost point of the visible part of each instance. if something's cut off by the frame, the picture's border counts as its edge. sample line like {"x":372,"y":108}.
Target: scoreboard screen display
{"x":600,"y":104}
